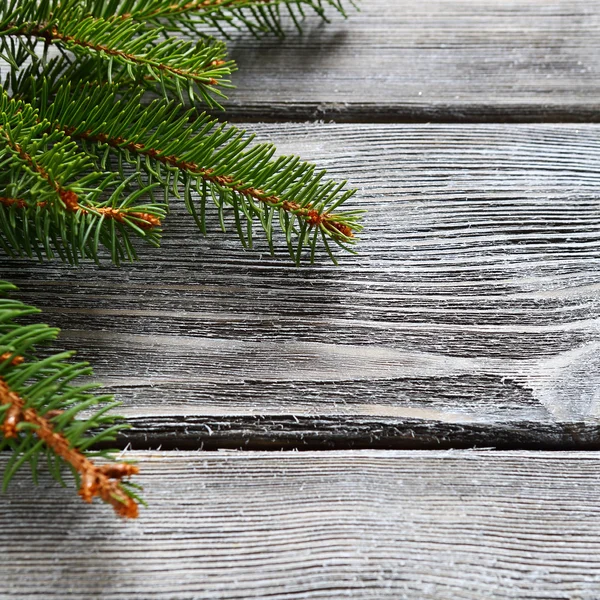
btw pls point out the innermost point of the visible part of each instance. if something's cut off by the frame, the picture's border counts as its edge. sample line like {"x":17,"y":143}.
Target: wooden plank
{"x":427,"y":525}
{"x":470,"y":317}
{"x":460,"y":60}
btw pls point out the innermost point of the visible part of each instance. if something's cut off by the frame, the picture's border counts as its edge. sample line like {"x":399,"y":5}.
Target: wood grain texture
{"x":460,"y":60}
{"x":470,"y":317}
{"x":400,"y":525}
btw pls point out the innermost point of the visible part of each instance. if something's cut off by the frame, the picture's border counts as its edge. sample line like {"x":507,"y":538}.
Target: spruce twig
{"x":215,"y":159}
{"x":39,"y":406}
{"x":102,"y":481}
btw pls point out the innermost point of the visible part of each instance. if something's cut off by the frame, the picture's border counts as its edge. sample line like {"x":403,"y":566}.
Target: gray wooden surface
{"x":462,"y":60}
{"x":470,"y":316}
{"x":397,"y":525}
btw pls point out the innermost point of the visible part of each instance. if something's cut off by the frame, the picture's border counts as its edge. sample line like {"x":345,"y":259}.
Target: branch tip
{"x":102,"y":481}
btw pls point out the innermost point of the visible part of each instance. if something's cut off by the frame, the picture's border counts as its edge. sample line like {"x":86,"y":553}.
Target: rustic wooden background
{"x":470,"y":319}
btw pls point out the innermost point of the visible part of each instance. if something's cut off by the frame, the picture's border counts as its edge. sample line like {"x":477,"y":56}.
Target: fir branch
{"x":306,"y":212}
{"x":38,"y":409}
{"x":213,"y":159}
{"x":102,"y":481}
{"x":38,"y":229}
{"x":133,"y":53}
{"x":55,"y":202}
{"x":170,"y":150}
{"x":259,"y":16}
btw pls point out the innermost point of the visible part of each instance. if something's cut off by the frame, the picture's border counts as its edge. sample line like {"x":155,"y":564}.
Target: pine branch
{"x":169,"y":149}
{"x":102,"y":481}
{"x":214,"y":160}
{"x":259,"y":16}
{"x":38,"y":409}
{"x":53,"y":201}
{"x":133,"y":53}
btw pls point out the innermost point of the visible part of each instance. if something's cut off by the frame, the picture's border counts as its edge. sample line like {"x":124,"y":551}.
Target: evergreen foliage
{"x":85,"y":153}
{"x":82,"y":153}
{"x":39,"y":406}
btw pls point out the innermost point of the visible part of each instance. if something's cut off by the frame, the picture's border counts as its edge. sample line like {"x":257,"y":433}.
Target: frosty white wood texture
{"x":397,"y":525}
{"x":470,"y":316}
{"x":440,"y":59}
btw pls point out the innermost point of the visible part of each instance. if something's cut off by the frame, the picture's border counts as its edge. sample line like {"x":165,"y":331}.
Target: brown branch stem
{"x":52,"y":34}
{"x":145,"y":221}
{"x":313,"y":217}
{"x":102,"y":481}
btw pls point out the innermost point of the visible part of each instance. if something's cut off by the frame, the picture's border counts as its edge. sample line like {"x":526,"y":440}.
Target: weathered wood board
{"x":470,"y":316}
{"x":397,"y":525}
{"x":463,"y":60}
